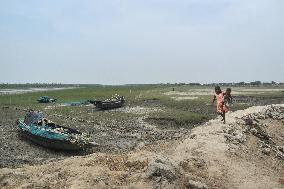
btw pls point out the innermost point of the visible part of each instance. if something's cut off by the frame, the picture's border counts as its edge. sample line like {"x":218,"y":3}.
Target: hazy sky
{"x":141,"y":41}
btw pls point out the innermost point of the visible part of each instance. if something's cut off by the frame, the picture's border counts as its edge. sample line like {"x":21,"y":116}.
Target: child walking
{"x":219,"y":96}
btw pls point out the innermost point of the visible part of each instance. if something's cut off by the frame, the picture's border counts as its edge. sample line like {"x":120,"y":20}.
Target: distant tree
{"x":194,"y":84}
{"x":273,"y":83}
{"x":255,"y":83}
{"x":241,"y":83}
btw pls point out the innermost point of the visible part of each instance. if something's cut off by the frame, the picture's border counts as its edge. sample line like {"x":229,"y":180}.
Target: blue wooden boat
{"x":38,"y":130}
{"x":46,"y":99}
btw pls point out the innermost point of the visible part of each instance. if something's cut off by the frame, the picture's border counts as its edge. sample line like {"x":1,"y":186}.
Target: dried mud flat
{"x":247,"y":152}
{"x":114,"y":136}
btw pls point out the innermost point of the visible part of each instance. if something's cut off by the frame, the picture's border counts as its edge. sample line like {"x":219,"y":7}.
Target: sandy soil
{"x":247,"y":152}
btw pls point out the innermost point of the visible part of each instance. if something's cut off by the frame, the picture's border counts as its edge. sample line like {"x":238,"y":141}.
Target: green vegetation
{"x":177,"y":118}
{"x":179,"y":113}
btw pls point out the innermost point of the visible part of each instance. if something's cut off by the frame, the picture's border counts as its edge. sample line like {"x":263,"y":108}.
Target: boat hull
{"x":53,"y":143}
{"x":50,"y":143}
{"x":107,"y":105}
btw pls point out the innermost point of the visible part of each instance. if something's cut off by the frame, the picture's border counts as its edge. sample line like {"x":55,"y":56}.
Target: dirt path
{"x":230,"y":163}
{"x":247,"y":152}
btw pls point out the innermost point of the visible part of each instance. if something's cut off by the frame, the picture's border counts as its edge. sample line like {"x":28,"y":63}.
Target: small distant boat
{"x":46,"y":99}
{"x":115,"y":102}
{"x":40,"y":131}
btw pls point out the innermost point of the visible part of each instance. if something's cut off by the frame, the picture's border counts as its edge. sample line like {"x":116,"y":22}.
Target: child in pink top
{"x":219,"y":96}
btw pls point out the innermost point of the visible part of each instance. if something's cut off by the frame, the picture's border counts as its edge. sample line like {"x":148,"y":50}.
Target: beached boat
{"x":114,"y":102}
{"x":46,"y":99}
{"x":39,"y":130}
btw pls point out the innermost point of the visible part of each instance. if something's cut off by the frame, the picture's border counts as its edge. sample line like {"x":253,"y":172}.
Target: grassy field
{"x":180,"y":111}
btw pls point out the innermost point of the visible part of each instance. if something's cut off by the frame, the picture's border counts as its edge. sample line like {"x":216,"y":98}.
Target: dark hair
{"x":228,"y":89}
{"x":218,"y":89}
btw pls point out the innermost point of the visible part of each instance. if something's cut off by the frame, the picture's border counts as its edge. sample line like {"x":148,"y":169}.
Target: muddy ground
{"x":246,"y":152}
{"x":113,"y":136}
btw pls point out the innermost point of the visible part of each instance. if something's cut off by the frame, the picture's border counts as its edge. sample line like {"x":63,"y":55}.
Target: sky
{"x":141,"y":41}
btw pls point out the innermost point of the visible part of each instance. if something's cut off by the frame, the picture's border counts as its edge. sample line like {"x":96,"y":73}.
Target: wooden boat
{"x":51,"y":135}
{"x":46,"y":99}
{"x":114,"y":102}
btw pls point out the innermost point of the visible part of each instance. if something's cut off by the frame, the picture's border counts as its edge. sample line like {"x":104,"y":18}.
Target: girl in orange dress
{"x":219,"y":96}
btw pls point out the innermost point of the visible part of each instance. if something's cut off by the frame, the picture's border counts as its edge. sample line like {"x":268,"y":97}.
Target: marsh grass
{"x":182,"y":112}
{"x":177,"y":118}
